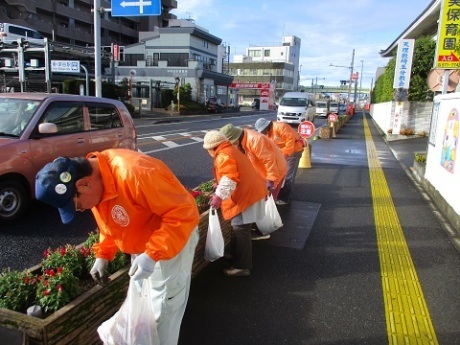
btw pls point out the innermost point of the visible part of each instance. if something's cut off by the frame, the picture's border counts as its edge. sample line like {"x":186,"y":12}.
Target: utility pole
{"x":97,"y":48}
{"x":351,"y":76}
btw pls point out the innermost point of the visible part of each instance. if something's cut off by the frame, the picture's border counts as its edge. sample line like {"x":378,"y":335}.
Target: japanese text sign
{"x":306,"y":129}
{"x":403,"y":64}
{"x":448,"y":28}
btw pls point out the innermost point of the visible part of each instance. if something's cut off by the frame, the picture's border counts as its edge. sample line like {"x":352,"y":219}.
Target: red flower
{"x":62,"y":251}
{"x":59,"y":270}
{"x":46,"y":292}
{"x":195,"y":193}
{"x":26,"y":280}
{"x":59,"y":288}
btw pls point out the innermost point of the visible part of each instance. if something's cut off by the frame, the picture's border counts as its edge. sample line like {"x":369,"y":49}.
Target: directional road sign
{"x":126,"y":8}
{"x":65,"y":66}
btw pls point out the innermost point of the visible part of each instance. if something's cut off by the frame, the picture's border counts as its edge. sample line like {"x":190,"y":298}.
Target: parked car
{"x":214,"y":105}
{"x":35,"y":128}
{"x":255,"y":104}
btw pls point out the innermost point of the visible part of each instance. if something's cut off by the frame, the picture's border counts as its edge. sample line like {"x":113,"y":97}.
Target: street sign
{"x":403,"y":64}
{"x":126,"y":8}
{"x":332,"y":117}
{"x":65,"y":66}
{"x":306,"y":129}
{"x":446,"y":57}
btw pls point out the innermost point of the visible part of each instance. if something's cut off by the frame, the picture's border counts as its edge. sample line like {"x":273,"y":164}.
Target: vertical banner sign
{"x":448,"y":28}
{"x":403,"y":64}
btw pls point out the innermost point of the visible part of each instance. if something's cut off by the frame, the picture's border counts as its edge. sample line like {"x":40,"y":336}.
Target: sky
{"x":329,"y":30}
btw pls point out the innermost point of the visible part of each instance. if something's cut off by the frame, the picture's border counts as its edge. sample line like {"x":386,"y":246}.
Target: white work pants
{"x":170,"y":283}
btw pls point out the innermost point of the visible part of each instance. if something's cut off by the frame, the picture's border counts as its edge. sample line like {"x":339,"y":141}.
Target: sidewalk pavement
{"x":319,"y":279}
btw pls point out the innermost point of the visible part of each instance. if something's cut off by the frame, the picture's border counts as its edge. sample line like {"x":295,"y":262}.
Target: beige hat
{"x":232,"y":133}
{"x":213,"y":139}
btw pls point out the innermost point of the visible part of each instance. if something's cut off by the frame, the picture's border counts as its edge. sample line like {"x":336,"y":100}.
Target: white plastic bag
{"x":271,"y":220}
{"x":134,"y":323}
{"x":214,"y":248}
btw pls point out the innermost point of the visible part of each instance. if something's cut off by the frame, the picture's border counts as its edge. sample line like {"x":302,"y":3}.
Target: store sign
{"x":403,"y":64}
{"x":449,"y":21}
{"x":251,"y":86}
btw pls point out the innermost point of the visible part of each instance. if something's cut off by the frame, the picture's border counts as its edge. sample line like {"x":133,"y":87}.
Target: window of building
{"x":205,"y":43}
{"x":267,"y":52}
{"x":175,"y":59}
{"x":254,"y":53}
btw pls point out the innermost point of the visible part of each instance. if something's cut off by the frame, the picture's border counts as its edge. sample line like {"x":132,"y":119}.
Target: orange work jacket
{"x":250,"y":188}
{"x":144,"y":207}
{"x":286,"y":138}
{"x":265,"y":156}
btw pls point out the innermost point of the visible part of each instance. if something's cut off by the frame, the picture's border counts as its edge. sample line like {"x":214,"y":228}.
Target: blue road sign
{"x":126,"y":8}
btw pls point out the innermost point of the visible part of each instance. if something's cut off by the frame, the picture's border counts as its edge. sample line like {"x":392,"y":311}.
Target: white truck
{"x":296,"y":107}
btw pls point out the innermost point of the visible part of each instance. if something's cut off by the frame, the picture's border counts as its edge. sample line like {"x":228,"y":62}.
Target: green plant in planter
{"x":56,"y":288}
{"x":64,"y":276}
{"x":67,"y":256}
{"x":420,"y":157}
{"x":17,"y":289}
{"x":117,"y":263}
{"x":202,"y":195}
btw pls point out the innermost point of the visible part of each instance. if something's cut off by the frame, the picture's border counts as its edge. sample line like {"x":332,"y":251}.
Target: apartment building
{"x":183,"y":52}
{"x":276,"y":64}
{"x":71,"y":21}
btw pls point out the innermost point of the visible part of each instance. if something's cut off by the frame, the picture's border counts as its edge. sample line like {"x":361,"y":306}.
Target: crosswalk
{"x":154,"y":143}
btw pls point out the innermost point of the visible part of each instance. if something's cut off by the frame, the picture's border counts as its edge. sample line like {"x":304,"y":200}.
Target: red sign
{"x":116,"y":52}
{"x":251,"y":86}
{"x":306,"y":129}
{"x":333,"y":117}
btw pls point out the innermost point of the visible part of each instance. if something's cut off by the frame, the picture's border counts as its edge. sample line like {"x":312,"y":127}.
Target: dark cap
{"x":55,"y":185}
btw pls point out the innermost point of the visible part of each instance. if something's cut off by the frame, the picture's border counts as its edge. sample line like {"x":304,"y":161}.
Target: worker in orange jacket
{"x":291,"y":144}
{"x":240,"y":193}
{"x":265,"y":156}
{"x":140,"y":208}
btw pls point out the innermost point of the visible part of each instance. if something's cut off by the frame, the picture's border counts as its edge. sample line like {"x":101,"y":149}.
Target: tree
{"x":422,"y":63}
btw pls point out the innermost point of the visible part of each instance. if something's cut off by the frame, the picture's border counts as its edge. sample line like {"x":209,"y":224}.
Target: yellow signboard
{"x":448,"y":36}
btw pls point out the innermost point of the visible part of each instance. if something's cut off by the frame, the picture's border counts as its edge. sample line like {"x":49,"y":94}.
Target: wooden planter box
{"x":325,"y":132}
{"x":77,"y":322}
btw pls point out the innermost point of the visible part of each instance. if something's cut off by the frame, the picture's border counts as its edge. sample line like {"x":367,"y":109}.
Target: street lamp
{"x":351,"y":75}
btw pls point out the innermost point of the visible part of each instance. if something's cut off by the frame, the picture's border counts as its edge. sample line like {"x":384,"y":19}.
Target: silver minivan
{"x":10,"y":33}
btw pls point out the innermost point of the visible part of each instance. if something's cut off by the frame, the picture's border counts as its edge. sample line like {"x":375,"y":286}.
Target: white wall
{"x":443,"y":164}
{"x":415,"y":115}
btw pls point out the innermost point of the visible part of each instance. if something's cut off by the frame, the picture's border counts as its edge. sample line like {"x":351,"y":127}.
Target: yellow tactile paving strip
{"x":407,"y":317}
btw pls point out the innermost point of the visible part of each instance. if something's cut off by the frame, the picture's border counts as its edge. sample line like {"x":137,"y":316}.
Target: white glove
{"x":99,"y":271}
{"x":142,"y":267}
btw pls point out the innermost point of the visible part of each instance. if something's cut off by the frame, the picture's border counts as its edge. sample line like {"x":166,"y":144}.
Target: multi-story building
{"x":72,"y":21}
{"x":182,"y":52}
{"x":276,"y":64}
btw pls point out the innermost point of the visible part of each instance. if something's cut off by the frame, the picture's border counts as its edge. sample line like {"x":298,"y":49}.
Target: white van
{"x":9,"y":33}
{"x":296,"y":107}
{"x":334,"y":107}
{"x":322,"y":107}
